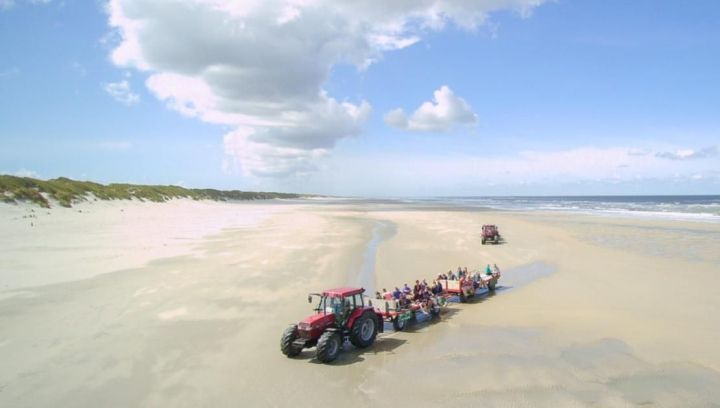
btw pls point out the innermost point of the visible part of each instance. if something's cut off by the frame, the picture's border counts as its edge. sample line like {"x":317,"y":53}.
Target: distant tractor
{"x":340,"y":314}
{"x":490,"y":234}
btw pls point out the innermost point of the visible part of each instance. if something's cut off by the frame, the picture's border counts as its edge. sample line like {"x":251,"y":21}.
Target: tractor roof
{"x":342,"y":292}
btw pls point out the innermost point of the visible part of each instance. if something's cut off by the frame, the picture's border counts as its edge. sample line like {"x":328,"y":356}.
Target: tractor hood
{"x":320,"y":319}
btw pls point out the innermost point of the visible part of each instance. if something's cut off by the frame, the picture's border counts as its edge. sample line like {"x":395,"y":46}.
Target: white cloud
{"x":530,"y":171}
{"x":262,"y":65}
{"x":689,"y":154}
{"x":121,"y":92}
{"x":26,"y":173}
{"x":266,"y":159}
{"x":444,"y":112}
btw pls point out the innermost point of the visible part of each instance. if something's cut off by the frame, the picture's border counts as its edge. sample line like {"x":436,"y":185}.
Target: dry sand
{"x":183,"y":304}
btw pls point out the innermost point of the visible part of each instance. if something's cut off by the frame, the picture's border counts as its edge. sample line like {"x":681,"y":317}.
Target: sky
{"x":372,"y":98}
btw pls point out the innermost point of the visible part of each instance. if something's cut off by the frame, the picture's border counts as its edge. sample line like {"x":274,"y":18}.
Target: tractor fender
{"x":357,"y":313}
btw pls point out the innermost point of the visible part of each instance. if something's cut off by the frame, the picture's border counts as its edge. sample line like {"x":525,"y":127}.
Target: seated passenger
{"x":417,"y":290}
{"x":496,"y":269}
{"x":397,"y":294}
{"x":488,"y":271}
{"x":406,"y":289}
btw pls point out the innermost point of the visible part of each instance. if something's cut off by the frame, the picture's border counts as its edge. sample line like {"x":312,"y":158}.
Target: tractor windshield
{"x":330,"y":305}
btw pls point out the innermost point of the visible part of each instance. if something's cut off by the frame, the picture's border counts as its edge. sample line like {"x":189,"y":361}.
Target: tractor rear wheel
{"x":364,"y":330}
{"x":398,"y":323}
{"x":329,"y":346}
{"x":286,"y":342}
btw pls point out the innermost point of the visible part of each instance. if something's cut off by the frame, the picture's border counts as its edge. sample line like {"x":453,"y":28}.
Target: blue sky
{"x":424,"y":98}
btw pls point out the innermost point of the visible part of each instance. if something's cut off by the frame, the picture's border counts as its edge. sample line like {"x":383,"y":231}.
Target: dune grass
{"x":65,"y":192}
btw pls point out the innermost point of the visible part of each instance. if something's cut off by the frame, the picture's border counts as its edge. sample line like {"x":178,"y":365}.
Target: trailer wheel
{"x":286,"y":342}
{"x":398,"y":323}
{"x":364,"y":330}
{"x":463,"y":299}
{"x":435,"y":311}
{"x":329,"y":346}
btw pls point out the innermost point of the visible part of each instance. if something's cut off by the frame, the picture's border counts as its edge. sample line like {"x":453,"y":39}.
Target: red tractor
{"x":490,"y":233}
{"x":340,"y":314}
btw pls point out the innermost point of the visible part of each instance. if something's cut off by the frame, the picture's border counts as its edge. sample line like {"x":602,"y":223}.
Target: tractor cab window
{"x":358,"y":299}
{"x":331,"y":304}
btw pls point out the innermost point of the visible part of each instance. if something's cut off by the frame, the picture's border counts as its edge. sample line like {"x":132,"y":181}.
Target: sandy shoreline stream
{"x":183,"y":304}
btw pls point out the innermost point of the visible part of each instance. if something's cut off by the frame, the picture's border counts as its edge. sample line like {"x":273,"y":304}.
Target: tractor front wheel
{"x":364,"y":330}
{"x":286,"y":342}
{"x":329,"y":346}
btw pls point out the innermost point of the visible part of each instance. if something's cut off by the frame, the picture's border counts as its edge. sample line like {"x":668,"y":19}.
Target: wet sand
{"x":579,"y":320}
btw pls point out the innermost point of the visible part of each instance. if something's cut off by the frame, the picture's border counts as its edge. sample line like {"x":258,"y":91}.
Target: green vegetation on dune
{"x":66,"y":192}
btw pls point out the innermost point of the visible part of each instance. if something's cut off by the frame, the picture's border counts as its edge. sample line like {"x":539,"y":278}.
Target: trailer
{"x":399,"y":312}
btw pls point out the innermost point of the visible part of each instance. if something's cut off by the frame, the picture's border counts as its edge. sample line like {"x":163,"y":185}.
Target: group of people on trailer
{"x":476,"y":277}
{"x":423,"y":292}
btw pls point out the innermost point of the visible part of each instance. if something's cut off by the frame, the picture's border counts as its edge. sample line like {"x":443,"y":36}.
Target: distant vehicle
{"x":491,"y":234}
{"x":340,"y":314}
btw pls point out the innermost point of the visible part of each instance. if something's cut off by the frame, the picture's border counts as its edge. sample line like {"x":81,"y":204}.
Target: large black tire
{"x":364,"y":330}
{"x":483,"y":241}
{"x":398,"y":324}
{"x":329,"y":346}
{"x":491,"y":285}
{"x":463,"y":299}
{"x":286,"y":342}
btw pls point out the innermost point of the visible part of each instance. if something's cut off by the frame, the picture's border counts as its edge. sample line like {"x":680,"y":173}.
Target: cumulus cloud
{"x":260,"y":66}
{"x":689,"y":154}
{"x":121,"y":92}
{"x":444,"y":112}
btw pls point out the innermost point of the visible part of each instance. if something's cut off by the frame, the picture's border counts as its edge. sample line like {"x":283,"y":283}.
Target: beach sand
{"x":119,"y":304}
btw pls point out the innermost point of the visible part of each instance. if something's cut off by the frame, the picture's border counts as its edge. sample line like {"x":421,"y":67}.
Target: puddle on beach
{"x":365,"y":276}
{"x":498,"y":366}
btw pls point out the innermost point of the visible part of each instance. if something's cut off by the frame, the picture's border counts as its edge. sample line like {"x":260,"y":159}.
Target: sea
{"x":704,"y":208}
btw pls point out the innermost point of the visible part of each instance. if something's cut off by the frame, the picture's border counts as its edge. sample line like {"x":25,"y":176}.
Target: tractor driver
{"x":336,"y":305}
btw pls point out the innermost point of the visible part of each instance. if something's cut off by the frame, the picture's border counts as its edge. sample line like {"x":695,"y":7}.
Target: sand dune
{"x":97,"y":311}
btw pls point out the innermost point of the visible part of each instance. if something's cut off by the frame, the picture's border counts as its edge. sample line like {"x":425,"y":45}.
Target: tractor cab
{"x":339,"y":302}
